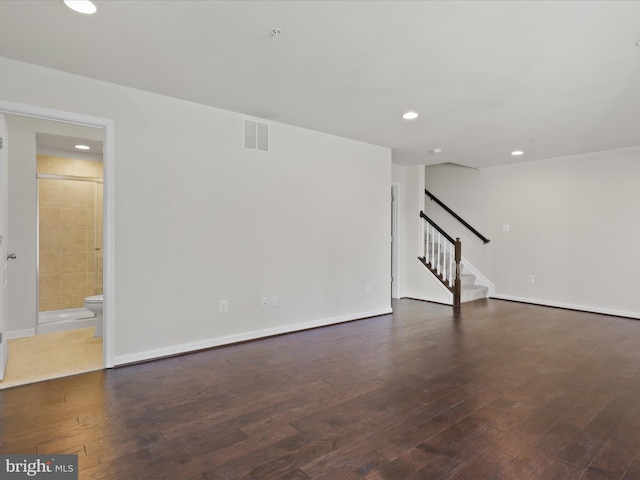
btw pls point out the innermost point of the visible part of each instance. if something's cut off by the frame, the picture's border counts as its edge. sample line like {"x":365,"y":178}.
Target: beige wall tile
{"x":74,"y":195}
{"x":73,"y":263}
{"x":91,"y":284}
{"x":90,"y":214}
{"x":73,"y":285}
{"x":91,"y":240}
{"x":73,"y":241}
{"x":49,"y":286}
{"x":68,"y":166}
{"x":49,"y":193}
{"x":91,"y":261}
{"x":49,"y":263}
{"x":47,"y":304}
{"x":76,"y":301}
{"x":49,"y":218}
{"x":74,"y":219}
{"x":49,"y":240}
{"x":67,"y":236}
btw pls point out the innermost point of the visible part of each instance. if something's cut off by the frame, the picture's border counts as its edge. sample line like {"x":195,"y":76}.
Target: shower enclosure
{"x":69,"y":243}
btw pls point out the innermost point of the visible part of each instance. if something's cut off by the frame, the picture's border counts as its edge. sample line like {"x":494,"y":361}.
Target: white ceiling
{"x":552,"y":78}
{"x":64,"y":145}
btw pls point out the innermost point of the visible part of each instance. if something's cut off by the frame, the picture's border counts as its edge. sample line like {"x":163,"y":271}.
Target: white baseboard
{"x":241,"y":337}
{"x":569,"y":306}
{"x":27,"y":332}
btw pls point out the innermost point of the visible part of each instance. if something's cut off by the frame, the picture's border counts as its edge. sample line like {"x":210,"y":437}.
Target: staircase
{"x":445,"y":271}
{"x":442,"y":256}
{"x":469,"y":291}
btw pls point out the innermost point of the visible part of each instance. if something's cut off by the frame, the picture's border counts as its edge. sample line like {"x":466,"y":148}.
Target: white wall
{"x":198,"y":219}
{"x":573,"y":225}
{"x":414,"y":280}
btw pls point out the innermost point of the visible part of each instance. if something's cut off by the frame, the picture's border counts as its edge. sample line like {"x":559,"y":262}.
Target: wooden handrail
{"x":435,"y":225}
{"x":456,"y":216}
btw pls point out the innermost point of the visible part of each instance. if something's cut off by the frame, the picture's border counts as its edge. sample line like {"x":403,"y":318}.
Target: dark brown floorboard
{"x":498,"y":390}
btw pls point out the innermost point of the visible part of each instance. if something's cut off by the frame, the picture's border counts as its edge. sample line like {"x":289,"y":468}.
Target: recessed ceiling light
{"x":274,"y":32}
{"x":516,"y":153}
{"x":83,"y":147}
{"x":410,"y":115}
{"x":436,"y":150}
{"x":81,"y":6}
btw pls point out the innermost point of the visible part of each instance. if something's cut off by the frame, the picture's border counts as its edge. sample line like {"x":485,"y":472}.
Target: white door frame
{"x":394,"y":240}
{"x":109,"y":203}
{"x":4,"y":348}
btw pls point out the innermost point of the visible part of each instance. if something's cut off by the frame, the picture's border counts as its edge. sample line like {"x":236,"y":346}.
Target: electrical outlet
{"x":368,"y":288}
{"x":264,"y":302}
{"x":224,"y":306}
{"x":506,"y":228}
{"x":532,"y":279}
{"x":274,"y":300}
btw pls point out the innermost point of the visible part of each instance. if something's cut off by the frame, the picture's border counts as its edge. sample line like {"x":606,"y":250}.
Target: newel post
{"x":457,"y":283}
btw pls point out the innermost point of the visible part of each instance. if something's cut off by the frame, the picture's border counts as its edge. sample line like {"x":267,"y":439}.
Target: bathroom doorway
{"x":28,"y":249}
{"x":70,"y":205}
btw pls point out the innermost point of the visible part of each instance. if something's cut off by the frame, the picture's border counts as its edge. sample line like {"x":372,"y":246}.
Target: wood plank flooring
{"x":499,"y":390}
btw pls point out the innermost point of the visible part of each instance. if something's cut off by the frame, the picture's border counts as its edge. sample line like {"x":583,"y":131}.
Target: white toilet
{"x":94,"y":304}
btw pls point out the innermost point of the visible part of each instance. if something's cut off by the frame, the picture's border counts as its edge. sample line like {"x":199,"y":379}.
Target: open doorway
{"x":70,"y":231}
{"x":92,"y":270}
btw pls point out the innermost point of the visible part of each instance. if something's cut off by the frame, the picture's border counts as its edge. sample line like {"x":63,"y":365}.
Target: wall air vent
{"x":255,"y":135}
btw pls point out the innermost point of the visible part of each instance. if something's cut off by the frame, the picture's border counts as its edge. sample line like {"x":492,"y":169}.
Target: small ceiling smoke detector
{"x":83,"y":147}
{"x":517,"y":153}
{"x":410,"y":115}
{"x":436,"y":150}
{"x":274,"y":32}
{"x":81,"y":6}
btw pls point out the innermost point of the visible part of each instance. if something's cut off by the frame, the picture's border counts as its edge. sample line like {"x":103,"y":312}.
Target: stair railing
{"x":456,"y":216}
{"x":441,"y":254}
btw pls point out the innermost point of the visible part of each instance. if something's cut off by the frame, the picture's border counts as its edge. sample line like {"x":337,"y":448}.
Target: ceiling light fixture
{"x":436,"y":150}
{"x":85,"y":7}
{"x":83,"y":147}
{"x":410,"y":115}
{"x":516,"y":153}
{"x":274,"y":32}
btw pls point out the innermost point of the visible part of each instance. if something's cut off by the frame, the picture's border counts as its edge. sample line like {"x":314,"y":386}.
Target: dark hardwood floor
{"x":499,"y":391}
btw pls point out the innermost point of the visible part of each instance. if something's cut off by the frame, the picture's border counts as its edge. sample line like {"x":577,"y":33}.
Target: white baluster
{"x":430,"y":260}
{"x":450,"y":265}
{"x":424,"y":240}
{"x":434,"y":246}
{"x":426,"y":243}
{"x":438,"y":261}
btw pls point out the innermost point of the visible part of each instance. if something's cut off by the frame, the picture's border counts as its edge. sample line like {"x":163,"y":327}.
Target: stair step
{"x":473,"y":292}
{"x":467,"y":280}
{"x":469,"y":291}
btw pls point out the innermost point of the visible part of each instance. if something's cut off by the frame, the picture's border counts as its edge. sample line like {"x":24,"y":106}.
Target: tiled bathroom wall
{"x":70,"y":233}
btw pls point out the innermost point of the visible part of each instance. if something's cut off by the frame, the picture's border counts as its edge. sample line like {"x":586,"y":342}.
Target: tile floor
{"x":52,"y":355}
